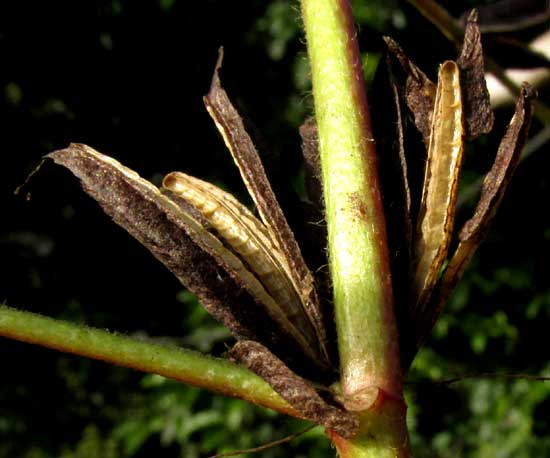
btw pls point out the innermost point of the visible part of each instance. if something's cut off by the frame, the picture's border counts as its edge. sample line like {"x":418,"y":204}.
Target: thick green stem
{"x":371,"y":379}
{"x":218,"y":375}
{"x":383,"y":434}
{"x":356,"y":229}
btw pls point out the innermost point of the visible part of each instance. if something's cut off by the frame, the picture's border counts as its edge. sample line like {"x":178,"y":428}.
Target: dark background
{"x":127,"y":78}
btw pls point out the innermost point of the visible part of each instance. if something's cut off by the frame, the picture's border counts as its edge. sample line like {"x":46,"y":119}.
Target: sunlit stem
{"x":371,"y":380}
{"x":358,"y":255}
{"x":218,"y":375}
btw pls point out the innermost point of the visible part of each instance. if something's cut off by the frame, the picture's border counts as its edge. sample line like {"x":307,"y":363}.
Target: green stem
{"x":371,"y":379}
{"x":356,"y":229}
{"x":218,"y":375}
{"x":383,"y":434}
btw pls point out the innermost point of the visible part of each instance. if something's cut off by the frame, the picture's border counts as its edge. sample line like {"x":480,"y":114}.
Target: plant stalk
{"x":371,"y":378}
{"x":194,"y":368}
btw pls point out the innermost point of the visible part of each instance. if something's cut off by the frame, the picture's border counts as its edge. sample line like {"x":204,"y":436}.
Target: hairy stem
{"x":218,"y":375}
{"x":371,"y":379}
{"x":358,"y":253}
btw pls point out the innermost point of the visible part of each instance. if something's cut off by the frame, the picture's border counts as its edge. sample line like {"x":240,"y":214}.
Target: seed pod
{"x":246,"y":157}
{"x":437,"y":207}
{"x":250,"y":239}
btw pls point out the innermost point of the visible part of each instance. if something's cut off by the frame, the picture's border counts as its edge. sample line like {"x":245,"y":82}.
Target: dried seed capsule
{"x":437,"y":208}
{"x":248,"y":237}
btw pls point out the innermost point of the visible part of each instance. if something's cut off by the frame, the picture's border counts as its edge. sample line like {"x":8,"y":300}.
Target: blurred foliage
{"x":127,"y":78}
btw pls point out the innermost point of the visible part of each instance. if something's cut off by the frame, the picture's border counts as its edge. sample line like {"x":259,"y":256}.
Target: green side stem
{"x":218,"y":375}
{"x":371,"y":379}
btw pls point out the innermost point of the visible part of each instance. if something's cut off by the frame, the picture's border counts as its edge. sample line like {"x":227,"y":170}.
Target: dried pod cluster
{"x":446,"y":114}
{"x":248,"y":270}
